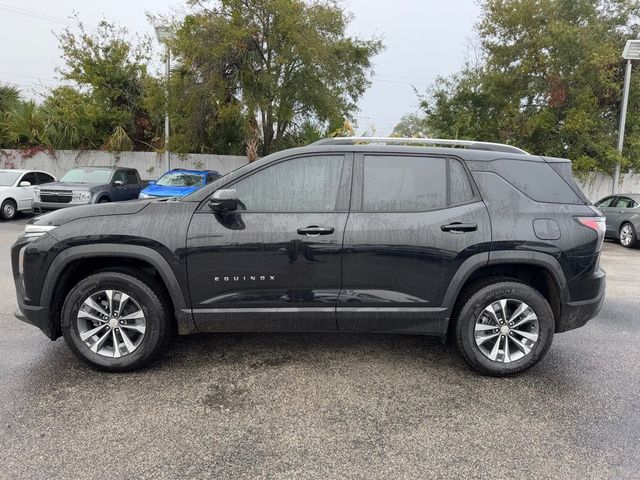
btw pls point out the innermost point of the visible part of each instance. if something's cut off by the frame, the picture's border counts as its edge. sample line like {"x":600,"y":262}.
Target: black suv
{"x":486,"y":244}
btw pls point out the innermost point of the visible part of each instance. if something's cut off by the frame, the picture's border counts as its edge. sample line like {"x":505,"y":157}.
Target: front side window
{"x":305,"y":184}
{"x":401,"y":184}
{"x":29,"y":177}
{"x":132,"y":178}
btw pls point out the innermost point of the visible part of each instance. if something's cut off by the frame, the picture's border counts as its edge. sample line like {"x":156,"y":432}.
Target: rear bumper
{"x":576,"y":314}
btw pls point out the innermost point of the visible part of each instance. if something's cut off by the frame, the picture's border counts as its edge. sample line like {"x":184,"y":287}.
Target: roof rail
{"x":472,"y":144}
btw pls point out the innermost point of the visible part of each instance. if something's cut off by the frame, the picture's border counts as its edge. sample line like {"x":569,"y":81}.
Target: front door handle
{"x":459,"y":227}
{"x":315,"y":230}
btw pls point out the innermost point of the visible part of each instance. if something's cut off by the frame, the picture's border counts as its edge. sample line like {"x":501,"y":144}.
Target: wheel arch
{"x":539,"y":270}
{"x":80,"y":261}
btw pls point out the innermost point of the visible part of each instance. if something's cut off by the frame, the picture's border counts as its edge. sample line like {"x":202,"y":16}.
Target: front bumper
{"x":36,"y":316}
{"x":576,"y":314}
{"x":42,"y":207}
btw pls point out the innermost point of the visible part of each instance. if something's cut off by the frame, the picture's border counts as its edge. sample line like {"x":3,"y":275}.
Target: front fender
{"x":66,"y":257}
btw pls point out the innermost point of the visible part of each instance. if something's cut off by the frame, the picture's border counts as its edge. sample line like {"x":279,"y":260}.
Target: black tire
{"x":8,"y":210}
{"x":104,"y":200}
{"x":625,"y":241}
{"x":473,"y":303}
{"x":150,"y":297}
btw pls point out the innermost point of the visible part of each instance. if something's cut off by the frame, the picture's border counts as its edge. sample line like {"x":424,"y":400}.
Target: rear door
{"x":274,"y":264}
{"x":414,"y":220}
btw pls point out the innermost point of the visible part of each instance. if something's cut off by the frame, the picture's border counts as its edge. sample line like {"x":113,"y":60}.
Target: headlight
{"x":81,"y":196}
{"x":36,"y":193}
{"x":37,"y":230}
{"x":144,"y":195}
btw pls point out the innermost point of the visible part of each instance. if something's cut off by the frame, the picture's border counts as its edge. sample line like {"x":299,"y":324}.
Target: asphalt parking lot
{"x":325,"y":406}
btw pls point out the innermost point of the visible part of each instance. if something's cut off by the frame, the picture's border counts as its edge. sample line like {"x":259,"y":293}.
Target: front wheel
{"x":116,"y":321}
{"x":504,"y":327}
{"x":628,"y":237}
{"x":8,"y":210}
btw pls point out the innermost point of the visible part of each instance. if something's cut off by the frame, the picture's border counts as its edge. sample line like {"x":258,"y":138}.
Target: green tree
{"x":272,"y":65}
{"x":110,"y":74}
{"x":549,"y":80}
{"x":411,"y":125}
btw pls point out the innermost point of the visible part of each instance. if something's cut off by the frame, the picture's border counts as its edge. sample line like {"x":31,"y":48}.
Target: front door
{"x":414,"y":220}
{"x":24,"y":195}
{"x":274,"y":264}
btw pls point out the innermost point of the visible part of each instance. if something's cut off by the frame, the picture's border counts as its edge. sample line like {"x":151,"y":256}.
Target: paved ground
{"x":325,"y":406}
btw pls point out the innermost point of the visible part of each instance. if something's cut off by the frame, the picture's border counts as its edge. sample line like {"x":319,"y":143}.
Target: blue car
{"x":178,"y":183}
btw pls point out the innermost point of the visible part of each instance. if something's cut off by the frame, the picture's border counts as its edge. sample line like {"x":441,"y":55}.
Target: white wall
{"x":598,"y":185}
{"x":150,"y":165}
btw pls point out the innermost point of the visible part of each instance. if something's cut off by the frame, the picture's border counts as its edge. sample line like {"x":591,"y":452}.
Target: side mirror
{"x":25,"y":184}
{"x":151,"y":182}
{"x":224,"y":200}
{"x":118,"y":183}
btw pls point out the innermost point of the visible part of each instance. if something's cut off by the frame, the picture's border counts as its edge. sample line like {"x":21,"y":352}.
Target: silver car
{"x":623,"y":217}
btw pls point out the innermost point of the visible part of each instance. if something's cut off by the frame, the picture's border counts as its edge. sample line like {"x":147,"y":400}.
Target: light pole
{"x":630,"y":53}
{"x":164,"y":34}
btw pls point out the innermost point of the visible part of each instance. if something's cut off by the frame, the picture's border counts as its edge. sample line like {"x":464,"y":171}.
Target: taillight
{"x":597,"y":224}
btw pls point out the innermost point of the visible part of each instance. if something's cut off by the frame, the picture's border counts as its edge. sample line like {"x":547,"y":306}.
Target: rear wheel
{"x":8,"y":210}
{"x":104,"y":200}
{"x":116,"y":321}
{"x":628,"y":237}
{"x":504,"y":328}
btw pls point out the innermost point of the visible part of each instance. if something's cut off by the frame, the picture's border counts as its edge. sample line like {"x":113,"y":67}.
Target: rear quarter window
{"x":537,"y":180}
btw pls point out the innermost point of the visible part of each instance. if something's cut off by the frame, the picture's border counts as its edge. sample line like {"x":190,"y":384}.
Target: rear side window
{"x":460,"y":190}
{"x":403,"y":184}
{"x":625,"y":202}
{"x":606,"y":202}
{"x":537,"y":180}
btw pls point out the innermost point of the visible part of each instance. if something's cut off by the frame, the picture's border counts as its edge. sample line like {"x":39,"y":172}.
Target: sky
{"x":424,"y":39}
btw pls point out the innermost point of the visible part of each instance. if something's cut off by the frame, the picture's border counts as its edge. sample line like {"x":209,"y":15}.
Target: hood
{"x":64,"y":215}
{"x":69,"y":186}
{"x":169,"y":190}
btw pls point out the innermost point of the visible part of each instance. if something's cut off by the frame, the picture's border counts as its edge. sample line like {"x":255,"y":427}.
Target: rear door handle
{"x":459,"y":227}
{"x":314,"y":231}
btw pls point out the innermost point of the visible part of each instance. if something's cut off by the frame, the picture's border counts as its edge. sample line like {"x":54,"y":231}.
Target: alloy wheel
{"x":111,"y":323}
{"x":506,"y":330}
{"x":626,"y":235}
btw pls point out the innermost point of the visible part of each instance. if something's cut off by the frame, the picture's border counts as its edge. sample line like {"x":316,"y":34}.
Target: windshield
{"x":87,"y":175}
{"x":181,"y":179}
{"x":8,"y":178}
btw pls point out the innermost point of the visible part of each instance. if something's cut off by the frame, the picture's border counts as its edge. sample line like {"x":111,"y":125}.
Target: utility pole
{"x":164,"y":34}
{"x":630,"y":53}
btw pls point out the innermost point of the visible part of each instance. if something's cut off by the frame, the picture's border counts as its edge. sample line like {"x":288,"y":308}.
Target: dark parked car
{"x":85,"y":185}
{"x":486,"y":244}
{"x":623,"y":217}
